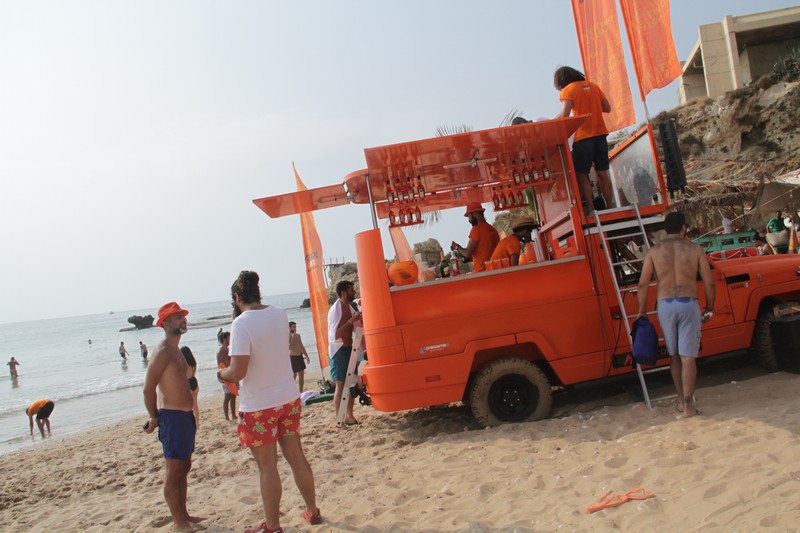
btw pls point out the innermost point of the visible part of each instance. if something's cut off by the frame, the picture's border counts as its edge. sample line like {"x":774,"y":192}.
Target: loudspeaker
{"x":676,"y":175}
{"x":786,"y":341}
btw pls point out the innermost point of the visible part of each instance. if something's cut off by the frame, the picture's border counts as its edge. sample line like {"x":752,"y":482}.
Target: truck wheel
{"x":762,"y":346}
{"x":510,"y":390}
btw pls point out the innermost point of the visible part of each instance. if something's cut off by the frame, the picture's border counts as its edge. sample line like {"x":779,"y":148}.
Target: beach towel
{"x":645,"y":341}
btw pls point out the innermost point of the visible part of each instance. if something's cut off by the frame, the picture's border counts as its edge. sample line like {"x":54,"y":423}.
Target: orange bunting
{"x":650,"y":37}
{"x":603,"y":60}
{"x":317,"y":290}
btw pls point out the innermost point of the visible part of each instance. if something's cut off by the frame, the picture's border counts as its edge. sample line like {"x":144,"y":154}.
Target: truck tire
{"x":762,"y":347}
{"x":510,"y":390}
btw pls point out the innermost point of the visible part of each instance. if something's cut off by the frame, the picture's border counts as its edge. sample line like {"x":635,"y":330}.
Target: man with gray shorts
{"x":676,"y":263}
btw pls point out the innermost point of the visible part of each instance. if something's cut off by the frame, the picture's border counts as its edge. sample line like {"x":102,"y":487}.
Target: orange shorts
{"x":267,"y":426}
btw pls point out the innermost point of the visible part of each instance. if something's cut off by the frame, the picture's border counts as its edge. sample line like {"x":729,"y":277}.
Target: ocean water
{"x":89,"y":382}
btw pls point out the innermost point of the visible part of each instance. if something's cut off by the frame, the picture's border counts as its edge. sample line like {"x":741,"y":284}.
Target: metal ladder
{"x":626,"y":318}
{"x":352,"y":378}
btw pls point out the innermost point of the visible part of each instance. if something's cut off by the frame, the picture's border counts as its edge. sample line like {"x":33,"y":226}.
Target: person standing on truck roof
{"x":590,"y":145}
{"x":511,"y":247}
{"x":342,"y":319}
{"x":676,"y":263}
{"x":483,"y":238}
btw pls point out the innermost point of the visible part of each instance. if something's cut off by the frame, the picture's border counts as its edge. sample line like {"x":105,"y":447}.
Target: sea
{"x":75,"y":362}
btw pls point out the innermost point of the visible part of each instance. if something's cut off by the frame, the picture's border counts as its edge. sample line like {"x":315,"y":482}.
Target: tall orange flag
{"x":603,"y":60}
{"x":316,"y":278}
{"x":650,"y":36}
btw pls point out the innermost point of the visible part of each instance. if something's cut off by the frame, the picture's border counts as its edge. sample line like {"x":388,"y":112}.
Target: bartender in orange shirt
{"x":510,"y":248}
{"x":483,"y":238}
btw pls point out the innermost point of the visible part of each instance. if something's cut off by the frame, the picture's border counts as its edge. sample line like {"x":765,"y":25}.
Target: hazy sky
{"x":134,"y":135}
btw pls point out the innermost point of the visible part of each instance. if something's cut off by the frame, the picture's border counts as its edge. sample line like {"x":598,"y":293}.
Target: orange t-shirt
{"x":487,"y":238}
{"x":507,"y":247}
{"x":36,"y":406}
{"x":586,"y":98}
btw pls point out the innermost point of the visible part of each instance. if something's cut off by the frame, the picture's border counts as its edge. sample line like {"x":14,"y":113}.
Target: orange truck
{"x":502,"y":340}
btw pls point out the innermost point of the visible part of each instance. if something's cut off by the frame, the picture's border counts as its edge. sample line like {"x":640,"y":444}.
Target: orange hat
{"x":473,"y":207}
{"x":167,"y":310}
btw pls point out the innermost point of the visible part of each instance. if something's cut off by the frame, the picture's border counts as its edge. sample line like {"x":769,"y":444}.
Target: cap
{"x":526,"y":222}
{"x":167,"y":310}
{"x":474,"y":207}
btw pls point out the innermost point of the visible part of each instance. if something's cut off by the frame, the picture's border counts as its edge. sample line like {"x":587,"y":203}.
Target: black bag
{"x":645,"y":342}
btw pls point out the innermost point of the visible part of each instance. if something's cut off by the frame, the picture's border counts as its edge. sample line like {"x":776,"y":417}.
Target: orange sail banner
{"x":650,"y":36}
{"x":316,"y":278}
{"x":603,"y":60}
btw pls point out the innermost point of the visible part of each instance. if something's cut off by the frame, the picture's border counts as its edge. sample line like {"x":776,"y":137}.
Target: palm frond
{"x":444,"y":131}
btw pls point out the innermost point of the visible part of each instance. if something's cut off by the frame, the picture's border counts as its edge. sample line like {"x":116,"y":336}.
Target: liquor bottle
{"x":454,"y":268}
{"x":545,"y":170}
{"x":389,"y":193}
{"x":399,"y":191}
{"x":409,"y":190}
{"x":392,"y":218}
{"x":521,"y":198}
{"x":501,"y":200}
{"x":511,"y":201}
{"x":420,"y":188}
{"x":526,"y":172}
{"x":495,"y":199}
{"x":515,"y":172}
{"x":418,"y":215}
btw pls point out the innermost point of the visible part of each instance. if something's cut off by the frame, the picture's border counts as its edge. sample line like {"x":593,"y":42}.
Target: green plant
{"x":787,"y":68}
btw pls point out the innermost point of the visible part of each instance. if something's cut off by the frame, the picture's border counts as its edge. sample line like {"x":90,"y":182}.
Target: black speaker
{"x":676,"y":175}
{"x":786,"y":341}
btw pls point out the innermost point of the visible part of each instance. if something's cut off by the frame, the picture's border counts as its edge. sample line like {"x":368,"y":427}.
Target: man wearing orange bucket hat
{"x":175,"y":419}
{"x":483,"y":238}
{"x":510,"y":248}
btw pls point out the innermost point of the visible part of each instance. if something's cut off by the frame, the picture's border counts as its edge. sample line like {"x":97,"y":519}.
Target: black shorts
{"x":45,"y":411}
{"x":588,"y":151}
{"x":298,"y":365}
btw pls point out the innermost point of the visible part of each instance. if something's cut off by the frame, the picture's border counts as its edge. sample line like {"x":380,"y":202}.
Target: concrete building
{"x":732,"y":53}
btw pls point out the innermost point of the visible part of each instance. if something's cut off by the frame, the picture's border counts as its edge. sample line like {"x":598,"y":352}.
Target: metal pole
{"x":372,"y":205}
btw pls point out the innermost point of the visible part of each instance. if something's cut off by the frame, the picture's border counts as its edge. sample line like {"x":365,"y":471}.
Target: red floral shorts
{"x":268,"y":425}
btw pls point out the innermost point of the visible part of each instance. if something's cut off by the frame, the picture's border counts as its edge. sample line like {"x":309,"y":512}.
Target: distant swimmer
{"x":143,"y":348}
{"x":123,"y":352}
{"x":12,"y":367}
{"x":42,"y":409}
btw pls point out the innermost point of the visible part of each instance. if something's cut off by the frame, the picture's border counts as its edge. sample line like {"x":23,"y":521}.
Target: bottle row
{"x":508,"y":198}
{"x":405,"y":217}
{"x":406,"y":192}
{"x":530,"y":173}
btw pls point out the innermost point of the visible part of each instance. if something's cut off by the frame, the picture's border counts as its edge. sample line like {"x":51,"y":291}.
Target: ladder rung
{"x":654,"y":370}
{"x":628,"y":262}
{"x":622,"y":209}
{"x":636,"y":288}
{"x":623,"y":236}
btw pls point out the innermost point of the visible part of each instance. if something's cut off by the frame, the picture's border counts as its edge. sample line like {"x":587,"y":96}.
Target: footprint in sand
{"x":616,"y":462}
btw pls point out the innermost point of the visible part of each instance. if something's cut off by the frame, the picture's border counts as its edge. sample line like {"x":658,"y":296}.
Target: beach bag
{"x":645,"y":342}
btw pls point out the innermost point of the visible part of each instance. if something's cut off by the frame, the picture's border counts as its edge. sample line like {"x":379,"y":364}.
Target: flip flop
{"x":313,"y":519}
{"x":679,"y":407}
{"x":696,"y":412}
{"x":355,"y":423}
{"x":262,"y":528}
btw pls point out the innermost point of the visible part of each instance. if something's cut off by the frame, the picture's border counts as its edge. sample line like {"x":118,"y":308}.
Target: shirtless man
{"x":12,"y":367}
{"x":224,"y":358}
{"x":342,"y":318}
{"x":676,"y":263}
{"x":175,"y":420}
{"x":143,"y":349}
{"x":123,"y":352}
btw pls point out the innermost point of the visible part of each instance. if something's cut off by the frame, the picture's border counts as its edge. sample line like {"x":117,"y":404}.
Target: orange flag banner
{"x":650,"y":36}
{"x":603,"y":60}
{"x":317,"y":291}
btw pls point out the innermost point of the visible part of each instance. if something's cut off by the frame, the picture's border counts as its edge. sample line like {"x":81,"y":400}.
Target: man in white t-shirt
{"x":269,"y":402}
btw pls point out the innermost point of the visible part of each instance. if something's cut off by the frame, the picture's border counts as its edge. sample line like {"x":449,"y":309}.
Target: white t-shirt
{"x":263,"y":335}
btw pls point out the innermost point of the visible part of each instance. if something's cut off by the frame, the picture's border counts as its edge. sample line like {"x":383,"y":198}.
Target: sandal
{"x":313,"y":519}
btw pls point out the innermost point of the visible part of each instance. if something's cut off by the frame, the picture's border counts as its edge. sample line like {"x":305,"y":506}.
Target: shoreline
{"x":737,"y":467}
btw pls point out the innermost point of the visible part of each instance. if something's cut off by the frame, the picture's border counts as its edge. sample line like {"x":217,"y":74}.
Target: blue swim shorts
{"x":339,"y":363}
{"x":176,"y":431}
{"x":680,"y":320}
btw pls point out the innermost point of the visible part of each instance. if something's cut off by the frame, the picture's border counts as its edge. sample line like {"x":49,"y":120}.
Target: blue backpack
{"x":645,"y":342}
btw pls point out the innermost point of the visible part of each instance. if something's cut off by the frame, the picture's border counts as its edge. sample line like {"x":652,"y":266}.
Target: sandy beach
{"x":736,"y":468}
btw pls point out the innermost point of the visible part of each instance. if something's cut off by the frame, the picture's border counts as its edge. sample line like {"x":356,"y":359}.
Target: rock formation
{"x":141,"y":322}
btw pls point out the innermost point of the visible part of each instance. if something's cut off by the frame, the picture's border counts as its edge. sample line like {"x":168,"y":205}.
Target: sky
{"x":135,"y":135}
